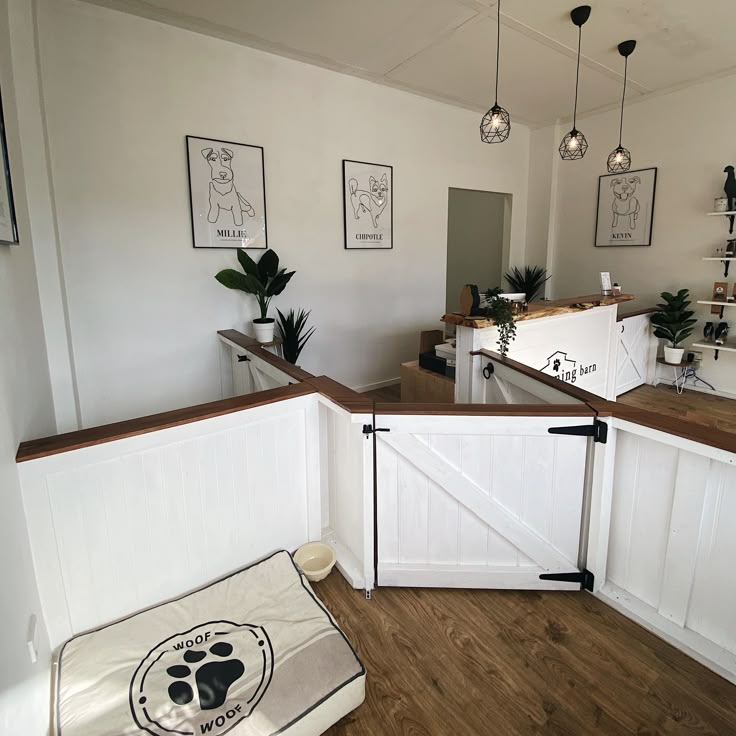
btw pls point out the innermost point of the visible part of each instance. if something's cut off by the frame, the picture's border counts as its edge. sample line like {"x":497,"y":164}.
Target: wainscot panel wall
{"x":690,"y":175}
{"x":122,"y":92}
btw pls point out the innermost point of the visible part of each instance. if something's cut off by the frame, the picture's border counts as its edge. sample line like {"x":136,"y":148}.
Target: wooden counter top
{"x":537,"y":310}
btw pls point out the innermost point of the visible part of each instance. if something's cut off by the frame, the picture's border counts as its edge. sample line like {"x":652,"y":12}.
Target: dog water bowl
{"x":316,"y":560}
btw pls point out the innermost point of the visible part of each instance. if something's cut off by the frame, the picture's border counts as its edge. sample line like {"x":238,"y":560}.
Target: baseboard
{"x":377,"y":385}
{"x":699,"y":389}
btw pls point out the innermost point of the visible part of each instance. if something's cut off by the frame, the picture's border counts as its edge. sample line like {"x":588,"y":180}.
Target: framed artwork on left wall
{"x":8,"y":225}
{"x":227,"y":190}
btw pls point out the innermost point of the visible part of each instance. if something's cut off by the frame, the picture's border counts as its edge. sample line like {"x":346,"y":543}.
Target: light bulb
{"x":573,"y":142}
{"x":619,"y":157}
{"x":495,"y":122}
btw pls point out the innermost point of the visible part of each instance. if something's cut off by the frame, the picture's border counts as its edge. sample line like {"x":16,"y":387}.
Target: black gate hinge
{"x":585,"y":578}
{"x":243,"y":359}
{"x":598,"y":431}
{"x":368,"y":429}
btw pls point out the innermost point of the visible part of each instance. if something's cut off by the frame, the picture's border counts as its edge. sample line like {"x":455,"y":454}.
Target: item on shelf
{"x":436,"y":364}
{"x":708,"y":331}
{"x":730,"y":189}
{"x":731,"y":248}
{"x":719,"y":295}
{"x":720,"y":204}
{"x":606,"y":288}
{"x":616,"y":289}
{"x":721,"y":333}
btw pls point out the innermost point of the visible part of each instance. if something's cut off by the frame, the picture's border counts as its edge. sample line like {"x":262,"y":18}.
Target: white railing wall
{"x":663,"y":539}
{"x":126,"y":524}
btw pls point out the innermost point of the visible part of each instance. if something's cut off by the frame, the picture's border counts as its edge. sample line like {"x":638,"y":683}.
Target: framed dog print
{"x":625,"y":208}
{"x":368,"y":205}
{"x":8,"y":225}
{"x":227,"y":192}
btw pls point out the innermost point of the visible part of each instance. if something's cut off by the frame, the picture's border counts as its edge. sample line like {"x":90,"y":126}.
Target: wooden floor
{"x":461,"y":662}
{"x":389,"y":394}
{"x":693,"y":406}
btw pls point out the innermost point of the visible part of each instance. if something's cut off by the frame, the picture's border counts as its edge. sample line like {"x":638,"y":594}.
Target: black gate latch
{"x":598,"y":431}
{"x":368,"y":430}
{"x":585,"y":578}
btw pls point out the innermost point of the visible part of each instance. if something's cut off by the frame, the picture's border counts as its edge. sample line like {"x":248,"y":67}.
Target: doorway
{"x":478,"y":241}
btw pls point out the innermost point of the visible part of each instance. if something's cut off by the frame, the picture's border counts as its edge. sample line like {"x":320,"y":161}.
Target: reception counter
{"x":574,"y":340}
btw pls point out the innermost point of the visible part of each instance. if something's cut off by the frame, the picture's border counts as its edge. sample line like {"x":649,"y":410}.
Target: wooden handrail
{"x":34,"y":449}
{"x":486,"y":410}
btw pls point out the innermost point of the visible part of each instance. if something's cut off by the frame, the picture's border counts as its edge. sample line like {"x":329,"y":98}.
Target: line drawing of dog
{"x":625,"y":204}
{"x":223,"y":194}
{"x":373,"y":202}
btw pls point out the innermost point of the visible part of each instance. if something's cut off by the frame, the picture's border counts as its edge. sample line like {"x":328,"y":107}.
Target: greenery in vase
{"x":294,"y":333}
{"x":501,"y":311}
{"x":263,"y":280}
{"x":674,"y":321}
{"x":530,"y":281}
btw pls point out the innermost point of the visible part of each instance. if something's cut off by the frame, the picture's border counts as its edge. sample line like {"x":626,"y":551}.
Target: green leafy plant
{"x":530,"y":281}
{"x":294,"y":333}
{"x":501,"y":311}
{"x":263,"y":280}
{"x":673,"y":321}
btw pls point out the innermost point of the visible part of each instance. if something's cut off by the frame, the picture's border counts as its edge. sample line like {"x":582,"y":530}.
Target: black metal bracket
{"x":715,"y":357}
{"x":598,"y":431}
{"x":585,"y":578}
{"x":488,"y":371}
{"x":726,"y":265}
{"x":243,"y":359}
{"x":368,"y":430}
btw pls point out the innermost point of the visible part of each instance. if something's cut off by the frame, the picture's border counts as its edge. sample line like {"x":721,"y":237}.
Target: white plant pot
{"x":673,"y":355}
{"x":264,"y":329}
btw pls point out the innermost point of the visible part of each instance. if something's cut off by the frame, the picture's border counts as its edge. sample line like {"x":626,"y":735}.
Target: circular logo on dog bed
{"x":202,"y":681}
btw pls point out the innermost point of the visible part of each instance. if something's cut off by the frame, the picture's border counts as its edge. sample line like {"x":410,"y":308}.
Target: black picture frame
{"x":652,"y":170}
{"x":5,"y":164}
{"x":261,"y":191}
{"x":348,"y":242}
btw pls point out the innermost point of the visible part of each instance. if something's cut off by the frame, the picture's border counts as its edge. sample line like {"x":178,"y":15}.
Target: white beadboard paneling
{"x":129,"y":523}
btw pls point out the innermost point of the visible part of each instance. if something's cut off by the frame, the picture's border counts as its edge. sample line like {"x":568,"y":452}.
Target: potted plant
{"x":263,"y":280}
{"x":673,"y":321}
{"x":530,"y":281}
{"x":294,"y":333}
{"x":501,"y":311}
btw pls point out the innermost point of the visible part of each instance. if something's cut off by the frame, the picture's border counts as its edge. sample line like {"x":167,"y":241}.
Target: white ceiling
{"x":445,"y":49}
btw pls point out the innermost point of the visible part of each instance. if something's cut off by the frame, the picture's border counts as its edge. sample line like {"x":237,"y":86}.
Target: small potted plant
{"x":673,"y":321}
{"x":294,"y":333}
{"x":530,"y":281}
{"x":263,"y":280}
{"x":501,"y":311}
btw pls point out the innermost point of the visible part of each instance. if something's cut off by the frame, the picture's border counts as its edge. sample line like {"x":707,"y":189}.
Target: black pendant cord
{"x":623,"y":99}
{"x":498,"y":47}
{"x":577,"y":80}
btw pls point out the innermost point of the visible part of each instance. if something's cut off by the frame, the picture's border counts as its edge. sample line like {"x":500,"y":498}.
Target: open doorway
{"x":478,"y":240}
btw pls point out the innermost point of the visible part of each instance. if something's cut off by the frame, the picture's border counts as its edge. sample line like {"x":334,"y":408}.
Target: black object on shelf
{"x":432,"y":362}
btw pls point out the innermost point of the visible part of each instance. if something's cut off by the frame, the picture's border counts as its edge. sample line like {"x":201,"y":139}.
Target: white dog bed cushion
{"x":253,"y":654}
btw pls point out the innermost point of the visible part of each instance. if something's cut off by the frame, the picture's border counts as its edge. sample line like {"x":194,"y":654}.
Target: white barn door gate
{"x":480,"y":501}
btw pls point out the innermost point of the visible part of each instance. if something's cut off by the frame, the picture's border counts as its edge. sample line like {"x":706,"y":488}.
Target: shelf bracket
{"x":726,"y":264}
{"x":716,"y":351}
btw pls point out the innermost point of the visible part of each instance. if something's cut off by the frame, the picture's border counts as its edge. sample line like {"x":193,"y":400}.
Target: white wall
{"x":26,"y":410}
{"x":475,"y":228}
{"x":688,"y":135}
{"x":121,"y":93}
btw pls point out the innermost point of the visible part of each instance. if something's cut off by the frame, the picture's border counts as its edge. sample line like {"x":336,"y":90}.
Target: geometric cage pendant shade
{"x":495,"y":127}
{"x":619,"y":160}
{"x":574,"y":145}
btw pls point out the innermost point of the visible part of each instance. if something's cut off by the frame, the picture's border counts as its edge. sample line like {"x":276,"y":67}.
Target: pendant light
{"x":619,"y":160}
{"x":496,"y":124}
{"x":574,"y":145}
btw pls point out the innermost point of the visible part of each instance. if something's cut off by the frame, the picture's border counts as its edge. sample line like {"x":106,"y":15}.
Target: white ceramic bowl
{"x":316,"y":560}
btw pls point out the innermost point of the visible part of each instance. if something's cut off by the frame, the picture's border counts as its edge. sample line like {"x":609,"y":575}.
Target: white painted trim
{"x":347,"y":563}
{"x":467,"y":576}
{"x":694,"y":645}
{"x":376,"y":385}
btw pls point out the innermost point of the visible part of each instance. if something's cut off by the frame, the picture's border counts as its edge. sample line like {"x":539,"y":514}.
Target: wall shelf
{"x":721,"y":214}
{"x":726,"y":261}
{"x":726,"y":347}
{"x":713,"y":302}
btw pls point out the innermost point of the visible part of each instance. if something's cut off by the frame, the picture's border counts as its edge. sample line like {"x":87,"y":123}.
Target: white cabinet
{"x":636,"y":352}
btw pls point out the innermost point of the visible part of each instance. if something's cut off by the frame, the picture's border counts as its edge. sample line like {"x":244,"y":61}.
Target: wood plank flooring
{"x":692,"y":406}
{"x":502,"y":663}
{"x":388,"y":394}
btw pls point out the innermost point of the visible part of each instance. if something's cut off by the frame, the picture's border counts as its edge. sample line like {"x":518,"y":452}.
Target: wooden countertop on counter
{"x":537,"y":310}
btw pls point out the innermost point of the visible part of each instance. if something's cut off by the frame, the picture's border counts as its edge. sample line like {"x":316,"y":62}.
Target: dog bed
{"x":253,"y":654}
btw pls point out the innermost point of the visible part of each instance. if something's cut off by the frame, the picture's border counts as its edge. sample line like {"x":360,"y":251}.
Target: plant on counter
{"x":673,"y":321}
{"x":263,"y":280}
{"x":530,"y":281}
{"x":501,"y":311}
{"x":294,"y":333}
